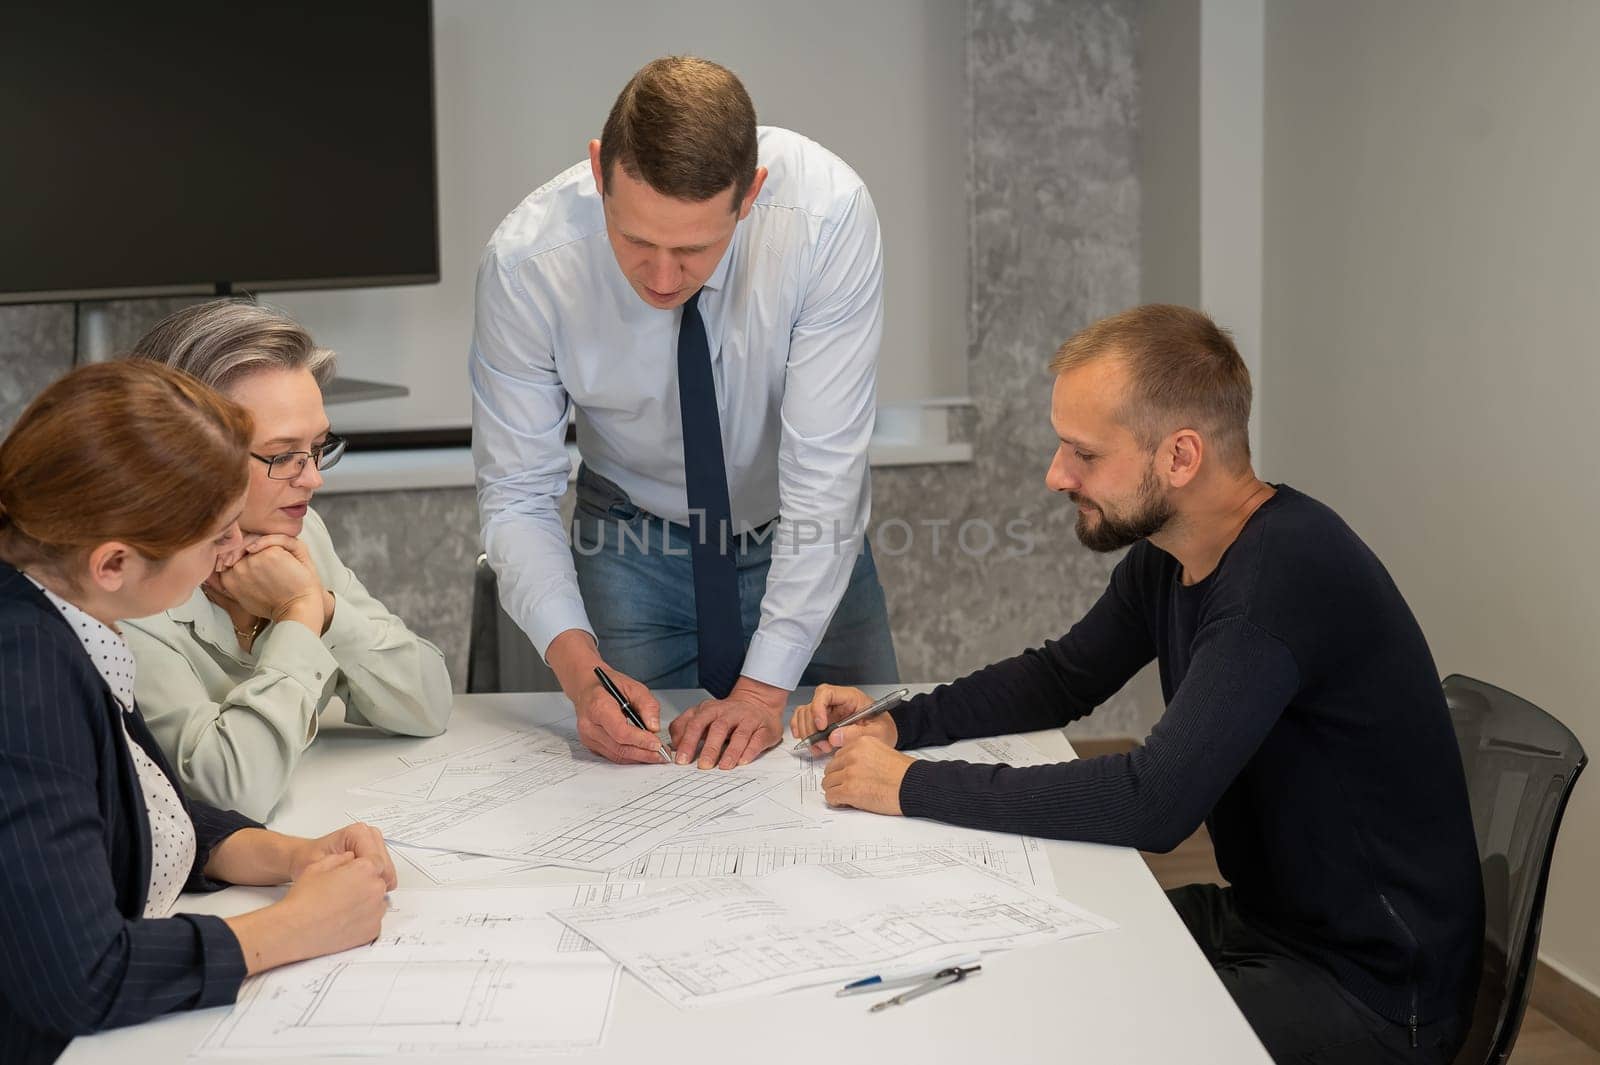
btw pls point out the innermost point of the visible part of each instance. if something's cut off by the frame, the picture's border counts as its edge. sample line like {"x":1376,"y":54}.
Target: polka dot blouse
{"x":171,"y":832}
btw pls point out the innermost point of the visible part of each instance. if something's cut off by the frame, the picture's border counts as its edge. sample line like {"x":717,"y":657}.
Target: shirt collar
{"x":210,"y":622}
{"x":106,"y":647}
{"x":191,"y":609}
{"x":719,"y":276}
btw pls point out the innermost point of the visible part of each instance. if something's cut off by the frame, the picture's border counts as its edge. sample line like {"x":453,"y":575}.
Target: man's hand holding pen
{"x":866,"y":770}
{"x":602,"y":725}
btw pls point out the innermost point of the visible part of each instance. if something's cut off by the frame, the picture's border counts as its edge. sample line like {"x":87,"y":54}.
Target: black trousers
{"x":1299,"y":1012}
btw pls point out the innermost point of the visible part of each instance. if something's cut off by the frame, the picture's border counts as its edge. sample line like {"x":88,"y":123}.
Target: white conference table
{"x":1141,"y":993}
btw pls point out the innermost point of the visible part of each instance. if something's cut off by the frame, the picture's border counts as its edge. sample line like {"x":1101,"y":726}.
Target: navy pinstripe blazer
{"x":76,"y":956}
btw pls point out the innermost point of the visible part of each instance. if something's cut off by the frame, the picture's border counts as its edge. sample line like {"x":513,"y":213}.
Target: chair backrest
{"x":500,"y":657}
{"x":1521,"y":765}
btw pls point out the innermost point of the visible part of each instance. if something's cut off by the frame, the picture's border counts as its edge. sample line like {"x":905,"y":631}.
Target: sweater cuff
{"x":917,"y":791}
{"x":910,"y":719}
{"x":224,"y":966}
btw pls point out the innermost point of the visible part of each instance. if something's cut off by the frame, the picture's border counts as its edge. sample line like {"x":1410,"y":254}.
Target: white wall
{"x":1200,"y":168}
{"x":1169,"y":152}
{"x":1231,"y":47}
{"x":523,"y":86}
{"x":1432,"y":269}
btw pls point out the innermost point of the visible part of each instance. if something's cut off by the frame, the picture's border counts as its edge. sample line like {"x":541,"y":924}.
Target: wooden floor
{"x":1540,"y":1042}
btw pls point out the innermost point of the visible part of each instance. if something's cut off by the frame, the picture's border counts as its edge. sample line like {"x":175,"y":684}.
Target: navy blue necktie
{"x":716,"y":576}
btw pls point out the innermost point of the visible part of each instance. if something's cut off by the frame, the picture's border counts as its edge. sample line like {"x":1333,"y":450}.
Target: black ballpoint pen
{"x":628,"y":711}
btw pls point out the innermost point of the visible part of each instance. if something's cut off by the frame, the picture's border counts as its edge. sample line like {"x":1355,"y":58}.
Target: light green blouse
{"x":234,"y":723}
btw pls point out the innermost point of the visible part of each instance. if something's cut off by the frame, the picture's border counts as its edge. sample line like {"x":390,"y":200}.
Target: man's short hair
{"x":1183,"y":372}
{"x":685,"y":127}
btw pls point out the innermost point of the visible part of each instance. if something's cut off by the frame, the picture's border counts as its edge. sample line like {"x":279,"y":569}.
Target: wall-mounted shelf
{"x":354,"y":390}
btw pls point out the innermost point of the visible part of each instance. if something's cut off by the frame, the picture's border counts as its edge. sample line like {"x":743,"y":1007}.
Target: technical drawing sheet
{"x":453,"y":867}
{"x":709,"y":941}
{"x":843,"y":834}
{"x":454,"y":972}
{"x":759,"y":815}
{"x":538,"y":796}
{"x":1020,"y":858}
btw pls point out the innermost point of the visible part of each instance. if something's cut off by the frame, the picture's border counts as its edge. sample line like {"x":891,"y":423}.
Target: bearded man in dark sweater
{"x":1304,"y":724}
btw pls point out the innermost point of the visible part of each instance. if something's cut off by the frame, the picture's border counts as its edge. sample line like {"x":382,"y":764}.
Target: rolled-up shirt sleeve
{"x":519,"y":418}
{"x":829,"y":406}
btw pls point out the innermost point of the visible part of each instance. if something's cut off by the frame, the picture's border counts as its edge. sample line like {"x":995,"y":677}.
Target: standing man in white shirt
{"x":706,"y":296}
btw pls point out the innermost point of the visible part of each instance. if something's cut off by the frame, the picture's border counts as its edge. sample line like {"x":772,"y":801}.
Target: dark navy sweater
{"x":1304,"y":726}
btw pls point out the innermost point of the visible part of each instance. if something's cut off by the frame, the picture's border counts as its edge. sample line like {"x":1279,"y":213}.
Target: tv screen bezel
{"x":229,"y":286}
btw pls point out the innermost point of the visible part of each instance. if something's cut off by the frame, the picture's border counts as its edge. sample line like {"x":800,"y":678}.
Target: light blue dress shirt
{"x":794,"y":315}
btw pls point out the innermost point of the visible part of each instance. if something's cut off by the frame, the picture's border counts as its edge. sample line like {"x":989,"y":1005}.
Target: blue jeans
{"x":638,"y":586}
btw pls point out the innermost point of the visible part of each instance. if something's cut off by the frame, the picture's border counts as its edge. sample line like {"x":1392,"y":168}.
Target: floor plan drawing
{"x":710,"y":940}
{"x":463,"y":972}
{"x":538,"y":797}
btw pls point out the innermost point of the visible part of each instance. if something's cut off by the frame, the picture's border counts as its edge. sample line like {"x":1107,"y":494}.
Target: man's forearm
{"x":1044,"y":687}
{"x":1016,"y":695}
{"x":572,"y":656}
{"x":1096,"y":801}
{"x":768,"y":695}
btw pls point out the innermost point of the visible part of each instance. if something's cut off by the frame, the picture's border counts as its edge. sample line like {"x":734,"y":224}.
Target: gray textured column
{"x":415,"y":551}
{"x":35,"y":349}
{"x":1054,"y":200}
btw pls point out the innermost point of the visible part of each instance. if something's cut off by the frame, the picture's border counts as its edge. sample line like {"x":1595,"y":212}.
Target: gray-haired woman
{"x":232,"y":681}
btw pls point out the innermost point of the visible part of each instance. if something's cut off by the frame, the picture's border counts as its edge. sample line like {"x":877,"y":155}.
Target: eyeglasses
{"x":291,"y":464}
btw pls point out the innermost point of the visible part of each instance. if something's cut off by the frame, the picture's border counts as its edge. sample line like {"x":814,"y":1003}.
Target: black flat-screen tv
{"x":165,"y":146}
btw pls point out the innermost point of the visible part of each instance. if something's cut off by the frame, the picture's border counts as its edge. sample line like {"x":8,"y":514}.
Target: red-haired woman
{"x":120,"y":490}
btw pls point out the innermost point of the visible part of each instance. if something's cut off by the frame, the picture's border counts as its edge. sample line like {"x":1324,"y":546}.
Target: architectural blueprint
{"x":538,"y":796}
{"x":458,"y":972}
{"x":1020,"y":858}
{"x":454,"y":867}
{"x":707,"y":941}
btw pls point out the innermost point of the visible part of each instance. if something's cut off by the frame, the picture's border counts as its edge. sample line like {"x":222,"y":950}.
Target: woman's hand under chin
{"x":276,"y":579}
{"x":225,"y":560}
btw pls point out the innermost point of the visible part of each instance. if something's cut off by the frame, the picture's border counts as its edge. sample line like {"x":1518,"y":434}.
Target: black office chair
{"x":500,"y":657}
{"x":1521,"y":765}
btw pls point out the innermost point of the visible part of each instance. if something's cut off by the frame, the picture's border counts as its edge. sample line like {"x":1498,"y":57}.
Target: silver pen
{"x":903,"y":978}
{"x":943,"y":978}
{"x":888,"y":702}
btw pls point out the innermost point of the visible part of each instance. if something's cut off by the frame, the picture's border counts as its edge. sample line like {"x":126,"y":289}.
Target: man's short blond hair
{"x":1183,"y":373}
